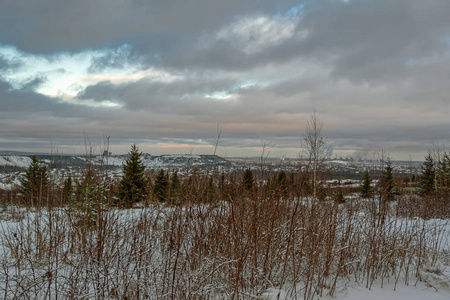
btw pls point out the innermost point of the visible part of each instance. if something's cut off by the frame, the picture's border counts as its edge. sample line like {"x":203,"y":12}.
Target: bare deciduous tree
{"x":315,"y":147}
{"x":219,"y":133}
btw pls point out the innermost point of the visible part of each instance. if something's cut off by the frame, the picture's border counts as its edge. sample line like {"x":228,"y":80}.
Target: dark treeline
{"x":140,"y":186}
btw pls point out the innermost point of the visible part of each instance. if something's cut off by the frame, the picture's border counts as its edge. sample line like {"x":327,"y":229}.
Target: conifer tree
{"x":175,"y":187}
{"x":89,"y":193}
{"x":247,"y":180}
{"x":338,"y":196}
{"x":387,"y":182}
{"x":35,"y":183}
{"x":444,"y":171}
{"x":67,"y":190}
{"x":366,"y":189}
{"x":282,"y":182}
{"x":212,"y":193}
{"x":426,"y":184}
{"x":133,"y":186}
{"x":160,"y":190}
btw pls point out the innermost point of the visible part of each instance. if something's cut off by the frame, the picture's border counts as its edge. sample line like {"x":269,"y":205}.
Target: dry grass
{"x":271,"y":237}
{"x":234,"y":249}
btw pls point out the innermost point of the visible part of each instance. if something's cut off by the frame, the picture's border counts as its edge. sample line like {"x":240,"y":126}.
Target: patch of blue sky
{"x":411,"y":61}
{"x":66,"y":74}
{"x":447,"y":40}
{"x":297,"y":9}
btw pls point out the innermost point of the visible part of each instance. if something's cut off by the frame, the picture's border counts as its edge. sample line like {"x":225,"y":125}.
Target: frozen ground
{"x":420,"y":291}
{"x":32,"y":250}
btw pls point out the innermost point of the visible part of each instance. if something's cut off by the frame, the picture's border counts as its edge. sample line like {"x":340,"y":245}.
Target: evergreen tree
{"x":175,"y":187}
{"x":426,"y":184}
{"x":387,"y":182}
{"x":133,"y":186}
{"x":160,"y":190}
{"x":366,"y":189}
{"x":89,"y":193}
{"x":247,"y":180}
{"x":67,"y":190}
{"x":212,"y":193}
{"x":338,"y":196}
{"x":444,"y":171}
{"x":35,"y":183}
{"x":283,"y":184}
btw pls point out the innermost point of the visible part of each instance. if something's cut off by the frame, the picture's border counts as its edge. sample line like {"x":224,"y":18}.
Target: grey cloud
{"x":9,"y":65}
{"x":112,"y":59}
{"x":52,"y":25}
{"x":365,"y":41}
{"x":382,"y":79}
{"x":374,"y":39}
{"x":160,"y":96}
{"x":23,"y":100}
{"x":33,"y":83}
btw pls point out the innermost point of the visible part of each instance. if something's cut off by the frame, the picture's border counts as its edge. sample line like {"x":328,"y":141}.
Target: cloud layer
{"x":165,"y":74}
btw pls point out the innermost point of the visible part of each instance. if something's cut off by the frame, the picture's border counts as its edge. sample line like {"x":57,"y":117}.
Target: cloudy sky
{"x":167,"y":74}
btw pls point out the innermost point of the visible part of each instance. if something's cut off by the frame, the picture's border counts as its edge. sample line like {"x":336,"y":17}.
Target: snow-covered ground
{"x":353,"y":291}
{"x":195,"y":252}
{"x":13,"y":160}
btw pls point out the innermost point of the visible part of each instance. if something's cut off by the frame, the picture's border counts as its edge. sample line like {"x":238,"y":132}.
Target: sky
{"x":167,"y":75}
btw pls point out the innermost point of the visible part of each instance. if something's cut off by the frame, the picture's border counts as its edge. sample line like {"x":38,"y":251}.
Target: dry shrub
{"x":227,"y":249}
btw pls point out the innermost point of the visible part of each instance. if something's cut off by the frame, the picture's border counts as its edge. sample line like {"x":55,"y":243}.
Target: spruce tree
{"x":282,"y":182}
{"x":366,"y":189}
{"x":175,"y":187}
{"x":338,"y":196}
{"x":90,"y":192}
{"x":387,"y":182}
{"x":133,"y":186}
{"x":444,"y":171}
{"x":160,"y":190}
{"x":247,"y":180}
{"x":447,"y":170}
{"x":35,"y":183}
{"x":426,"y":184}
{"x":67,"y":190}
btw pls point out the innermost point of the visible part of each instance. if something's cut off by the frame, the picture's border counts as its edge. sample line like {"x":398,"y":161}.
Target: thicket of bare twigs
{"x":220,"y":240}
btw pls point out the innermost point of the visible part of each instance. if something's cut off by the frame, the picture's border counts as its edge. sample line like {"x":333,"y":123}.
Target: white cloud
{"x":66,"y":74}
{"x":256,"y":34}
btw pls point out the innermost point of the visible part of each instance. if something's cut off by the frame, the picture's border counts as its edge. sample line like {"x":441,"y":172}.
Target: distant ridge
{"x":22,"y":159}
{"x":21,"y":153}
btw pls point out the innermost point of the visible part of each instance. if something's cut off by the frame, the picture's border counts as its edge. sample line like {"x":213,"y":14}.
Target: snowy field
{"x":227,"y":250}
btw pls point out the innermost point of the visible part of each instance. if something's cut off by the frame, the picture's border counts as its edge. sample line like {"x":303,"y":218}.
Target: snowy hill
{"x":151,"y":161}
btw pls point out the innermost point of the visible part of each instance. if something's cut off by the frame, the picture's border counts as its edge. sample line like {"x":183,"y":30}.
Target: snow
{"x":402,"y":292}
{"x":341,"y":162}
{"x":433,"y":281}
{"x":12,"y":160}
{"x":420,"y":291}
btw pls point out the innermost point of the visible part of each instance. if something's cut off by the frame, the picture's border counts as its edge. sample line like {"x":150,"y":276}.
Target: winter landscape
{"x":205,"y":149}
